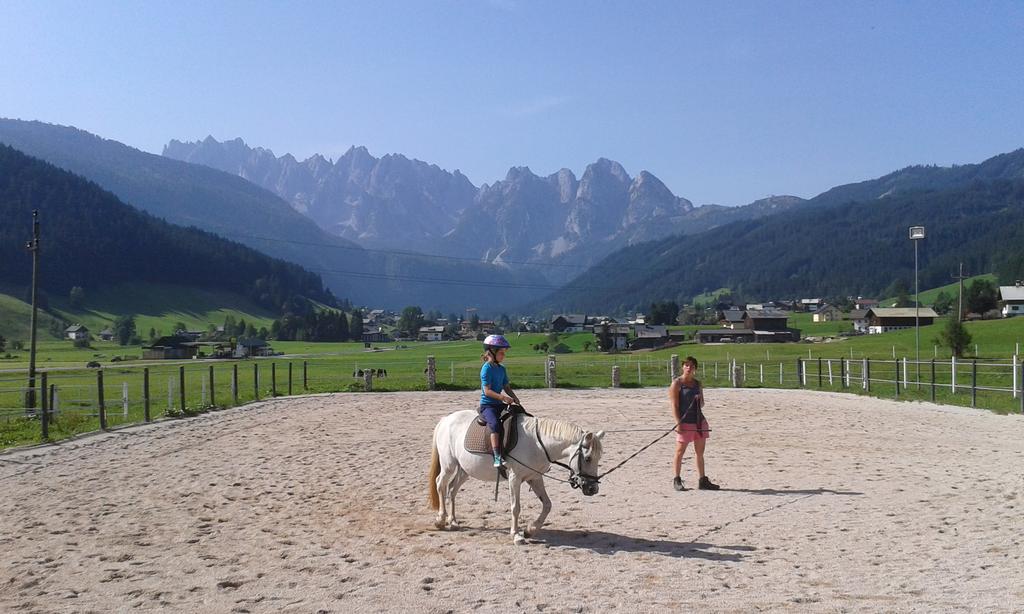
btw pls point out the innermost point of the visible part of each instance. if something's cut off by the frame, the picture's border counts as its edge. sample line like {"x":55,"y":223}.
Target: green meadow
{"x":333,"y":367}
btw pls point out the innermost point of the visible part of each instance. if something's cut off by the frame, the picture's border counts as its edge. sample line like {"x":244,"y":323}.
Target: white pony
{"x":541,"y":442}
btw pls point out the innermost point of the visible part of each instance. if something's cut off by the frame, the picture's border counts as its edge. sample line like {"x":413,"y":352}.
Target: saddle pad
{"x":478,"y":438}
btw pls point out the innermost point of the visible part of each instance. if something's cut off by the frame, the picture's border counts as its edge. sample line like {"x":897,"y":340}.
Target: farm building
{"x":376,"y":336}
{"x":827,"y":313}
{"x":170,"y":347}
{"x":1013,"y":299}
{"x":885,"y":319}
{"x":76,"y":332}
{"x":430,"y":333}
{"x":568,"y":323}
{"x":253,"y":346}
{"x":618,"y":335}
{"x":859,"y":317}
{"x":732,"y":318}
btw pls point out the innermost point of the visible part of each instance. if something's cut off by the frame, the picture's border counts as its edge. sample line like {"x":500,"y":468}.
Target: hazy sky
{"x":725,"y":102}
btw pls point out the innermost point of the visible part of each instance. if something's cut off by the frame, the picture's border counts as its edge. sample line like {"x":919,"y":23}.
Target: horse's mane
{"x":559,"y":429}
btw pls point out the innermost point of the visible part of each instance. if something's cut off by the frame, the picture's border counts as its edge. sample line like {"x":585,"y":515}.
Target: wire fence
{"x":57,"y":404}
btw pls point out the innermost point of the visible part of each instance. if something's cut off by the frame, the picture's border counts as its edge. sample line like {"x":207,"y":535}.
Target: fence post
{"x":906,"y":380}
{"x":54,"y":401}
{"x":974,"y":382}
{"x":952,"y":374}
{"x":145,"y":394}
{"x":896,"y":377}
{"x":867,"y":375}
{"x":256,"y":380}
{"x":552,"y":380}
{"x":45,"y":419}
{"x":842,"y":373}
{"x":273,"y":379}
{"x":616,"y":377}
{"x":124,"y":400}
{"x":213,"y":394}
{"x":736,"y":376}
{"x":305,"y":376}
{"x":431,"y":373}
{"x":933,"y":380}
{"x":819,"y":371}
{"x":181,"y":386}
{"x":1014,"y":369}
{"x":99,"y":394}
{"x":780,"y":374}
{"x":368,"y":380}
{"x":673,"y":366}
{"x":289,"y":379}
{"x":830,"y":381}
{"x":799,"y":371}
{"x":761,"y":380}
{"x":234,"y":384}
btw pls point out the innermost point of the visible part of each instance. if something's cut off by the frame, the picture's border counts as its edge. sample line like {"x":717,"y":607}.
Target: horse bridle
{"x":574,"y":474}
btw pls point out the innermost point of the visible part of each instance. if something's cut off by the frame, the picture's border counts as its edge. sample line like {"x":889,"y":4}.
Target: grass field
{"x":928,"y":296}
{"x":156,"y":306}
{"x":330,"y":367}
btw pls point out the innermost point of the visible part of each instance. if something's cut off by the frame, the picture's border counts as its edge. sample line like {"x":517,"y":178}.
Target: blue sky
{"x":725,"y":102}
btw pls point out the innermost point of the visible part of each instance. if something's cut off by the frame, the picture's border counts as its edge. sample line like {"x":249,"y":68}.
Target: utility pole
{"x":33,"y":247}
{"x":960,"y":307}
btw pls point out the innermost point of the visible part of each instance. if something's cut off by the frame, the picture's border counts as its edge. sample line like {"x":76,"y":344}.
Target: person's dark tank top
{"x":688,"y":404}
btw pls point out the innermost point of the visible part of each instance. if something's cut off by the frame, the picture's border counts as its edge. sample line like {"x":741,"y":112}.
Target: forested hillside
{"x":91,"y":239}
{"x":853,"y":249}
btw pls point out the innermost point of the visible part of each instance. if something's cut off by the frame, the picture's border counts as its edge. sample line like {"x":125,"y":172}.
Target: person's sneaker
{"x":677,"y":483}
{"x":706,"y":484}
{"x":498,"y":461}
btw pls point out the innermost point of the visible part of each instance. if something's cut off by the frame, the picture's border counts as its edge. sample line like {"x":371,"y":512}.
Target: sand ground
{"x":830,"y":503}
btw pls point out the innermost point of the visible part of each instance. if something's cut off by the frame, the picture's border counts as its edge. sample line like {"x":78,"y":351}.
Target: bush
{"x":81,"y":343}
{"x":561,"y":348}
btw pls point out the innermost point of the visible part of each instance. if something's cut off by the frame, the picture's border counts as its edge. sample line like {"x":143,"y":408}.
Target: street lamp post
{"x":916,"y":234}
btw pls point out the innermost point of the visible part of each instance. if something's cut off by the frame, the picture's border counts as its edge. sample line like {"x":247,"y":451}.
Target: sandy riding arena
{"x":829,"y":503}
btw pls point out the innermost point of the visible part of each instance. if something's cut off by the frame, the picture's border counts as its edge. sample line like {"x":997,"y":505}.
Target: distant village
{"x":750,"y":323}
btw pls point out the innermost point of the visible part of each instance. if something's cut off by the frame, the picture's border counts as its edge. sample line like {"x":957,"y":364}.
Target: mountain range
{"x":230,"y":206}
{"x":559,"y":224}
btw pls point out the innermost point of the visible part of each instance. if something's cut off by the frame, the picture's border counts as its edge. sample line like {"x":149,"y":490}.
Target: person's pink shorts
{"x":690,"y":432}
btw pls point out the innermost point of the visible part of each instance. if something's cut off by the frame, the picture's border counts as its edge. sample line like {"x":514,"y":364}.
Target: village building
{"x":859,"y":319}
{"x":169,"y":348}
{"x":76,"y":332}
{"x":732,"y":318}
{"x":864,"y":303}
{"x":252,"y":347}
{"x":106,"y":334}
{"x":430,"y":333}
{"x":811,"y":304}
{"x":376,"y":336}
{"x":758,"y":326}
{"x":568,"y":323}
{"x":618,"y":335}
{"x":1013,"y":299}
{"x":885,"y":319}
{"x":827,"y":313}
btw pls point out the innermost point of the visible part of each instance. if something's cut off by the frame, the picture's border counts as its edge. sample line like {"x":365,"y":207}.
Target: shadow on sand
{"x":775,"y":491}
{"x":610,"y":543}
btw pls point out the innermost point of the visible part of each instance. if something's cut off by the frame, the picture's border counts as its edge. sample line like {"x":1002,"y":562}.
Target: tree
{"x":943,"y":303}
{"x":124,"y":329}
{"x":180,"y":327}
{"x":981,"y":296}
{"x":76,"y":297}
{"x":411,"y":320}
{"x":474,"y":322}
{"x":955,"y":337}
{"x":152,"y":333}
{"x":355,"y":326}
{"x":3,"y":343}
{"x":901,"y":292}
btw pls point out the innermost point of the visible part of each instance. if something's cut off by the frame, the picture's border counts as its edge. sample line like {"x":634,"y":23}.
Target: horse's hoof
{"x":440,"y":524}
{"x":454,"y":525}
{"x":519,"y":539}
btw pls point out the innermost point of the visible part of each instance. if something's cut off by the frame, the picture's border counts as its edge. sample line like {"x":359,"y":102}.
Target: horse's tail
{"x":435,"y":470}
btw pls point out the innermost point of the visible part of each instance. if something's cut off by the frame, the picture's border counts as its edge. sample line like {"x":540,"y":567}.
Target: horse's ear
{"x":588,"y":439}
{"x":600,"y":435}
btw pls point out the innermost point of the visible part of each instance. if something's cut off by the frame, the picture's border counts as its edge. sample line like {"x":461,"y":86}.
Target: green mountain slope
{"x":854,"y":249}
{"x":92,"y":240}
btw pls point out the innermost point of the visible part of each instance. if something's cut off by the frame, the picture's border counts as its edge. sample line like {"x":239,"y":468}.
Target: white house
{"x":860,"y":320}
{"x":76,"y":332}
{"x":431,"y":333}
{"x":1013,"y":299}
